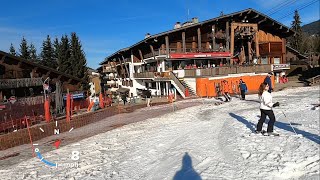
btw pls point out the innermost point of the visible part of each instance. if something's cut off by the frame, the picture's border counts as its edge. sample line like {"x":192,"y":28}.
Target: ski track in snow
{"x":218,"y":139}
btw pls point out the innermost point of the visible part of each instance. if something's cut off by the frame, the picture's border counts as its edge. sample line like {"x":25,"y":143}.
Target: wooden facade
{"x":19,"y":74}
{"x":202,"y":49}
{"x":246,"y":35}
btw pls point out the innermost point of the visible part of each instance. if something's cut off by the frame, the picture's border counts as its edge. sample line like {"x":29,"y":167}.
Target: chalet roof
{"x":301,"y":56}
{"x":29,"y":64}
{"x":249,"y":14}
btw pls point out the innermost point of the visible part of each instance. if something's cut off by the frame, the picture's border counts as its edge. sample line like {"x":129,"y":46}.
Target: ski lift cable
{"x":283,"y":6}
{"x":300,"y":8}
{"x":274,"y":7}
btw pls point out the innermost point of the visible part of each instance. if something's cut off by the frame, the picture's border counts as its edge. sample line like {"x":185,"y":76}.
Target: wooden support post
{"x":256,"y":41}
{"x":125,"y":66}
{"x":167,"y":45}
{"x":140,"y":53}
{"x":152,"y":51}
{"x":199,"y":38}
{"x":232,"y":43}
{"x":249,"y":52}
{"x":178,"y":46}
{"x":153,"y":55}
{"x":183,"y":41}
{"x":194,"y":44}
{"x":228,"y":36}
{"x":163,"y":47}
{"x":213,"y":37}
{"x":284,"y":51}
{"x":122,"y":69}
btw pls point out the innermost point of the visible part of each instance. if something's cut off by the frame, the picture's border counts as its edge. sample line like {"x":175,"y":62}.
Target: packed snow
{"x":201,"y":142}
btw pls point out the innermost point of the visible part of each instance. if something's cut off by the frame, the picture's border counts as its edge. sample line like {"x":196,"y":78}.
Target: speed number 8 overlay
{"x":61,"y":158}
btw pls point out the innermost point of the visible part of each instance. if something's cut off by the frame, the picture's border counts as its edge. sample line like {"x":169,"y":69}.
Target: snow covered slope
{"x":202,"y":142}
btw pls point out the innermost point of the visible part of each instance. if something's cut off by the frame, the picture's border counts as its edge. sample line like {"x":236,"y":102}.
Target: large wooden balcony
{"x":217,"y":71}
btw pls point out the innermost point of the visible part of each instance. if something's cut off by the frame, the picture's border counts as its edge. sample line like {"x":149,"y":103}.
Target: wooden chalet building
{"x":22,"y":83}
{"x":215,"y":47}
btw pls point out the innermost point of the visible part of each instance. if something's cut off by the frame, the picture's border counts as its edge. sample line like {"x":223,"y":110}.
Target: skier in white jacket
{"x":266,"y":106}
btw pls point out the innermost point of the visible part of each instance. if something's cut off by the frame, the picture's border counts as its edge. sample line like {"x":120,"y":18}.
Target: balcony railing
{"x":217,"y":71}
{"x":220,"y":71}
{"x":159,"y":52}
{"x":146,"y":75}
{"x":108,"y":68}
{"x":23,"y":82}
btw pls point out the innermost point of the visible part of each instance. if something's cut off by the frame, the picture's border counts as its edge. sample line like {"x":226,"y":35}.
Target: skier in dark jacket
{"x":124,"y":98}
{"x":148,"y":96}
{"x":268,"y":81}
{"x":243,"y":89}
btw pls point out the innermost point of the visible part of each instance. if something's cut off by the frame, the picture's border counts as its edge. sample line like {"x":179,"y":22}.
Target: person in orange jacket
{"x":226,"y":90}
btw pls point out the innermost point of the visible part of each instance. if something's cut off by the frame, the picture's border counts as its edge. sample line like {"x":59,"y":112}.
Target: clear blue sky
{"x":107,"y":26}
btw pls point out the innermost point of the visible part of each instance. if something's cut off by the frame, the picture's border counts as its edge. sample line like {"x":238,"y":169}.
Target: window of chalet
{"x":264,"y":60}
{"x":276,"y":60}
{"x":168,"y":65}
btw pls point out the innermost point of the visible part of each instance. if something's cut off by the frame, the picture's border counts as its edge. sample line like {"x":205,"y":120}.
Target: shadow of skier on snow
{"x":286,"y":126}
{"x":186,"y":172}
{"x":249,"y":124}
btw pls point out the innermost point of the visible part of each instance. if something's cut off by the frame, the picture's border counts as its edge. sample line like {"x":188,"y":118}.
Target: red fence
{"x":21,"y":136}
{"x":12,"y":118}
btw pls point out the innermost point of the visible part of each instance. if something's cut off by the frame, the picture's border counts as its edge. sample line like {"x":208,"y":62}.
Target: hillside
{"x":312,"y":28}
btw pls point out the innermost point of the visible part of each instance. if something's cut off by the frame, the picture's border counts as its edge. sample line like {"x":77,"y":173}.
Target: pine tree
{"x":78,"y":59}
{"x":12,"y":50}
{"x":56,"y":51}
{"x":296,"y":40}
{"x":47,"y":56}
{"x":24,"y":49}
{"x":64,"y":64}
{"x":33,"y":53}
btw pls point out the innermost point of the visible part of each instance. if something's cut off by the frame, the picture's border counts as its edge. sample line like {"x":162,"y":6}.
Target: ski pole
{"x":289,"y":123}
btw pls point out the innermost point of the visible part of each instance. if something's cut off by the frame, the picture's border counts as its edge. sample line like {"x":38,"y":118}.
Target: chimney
{"x":147,"y":35}
{"x":195,"y":20}
{"x":177,"y":25}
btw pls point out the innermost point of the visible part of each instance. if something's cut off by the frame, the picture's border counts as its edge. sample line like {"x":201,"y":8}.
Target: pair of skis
{"x":265,"y":133}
